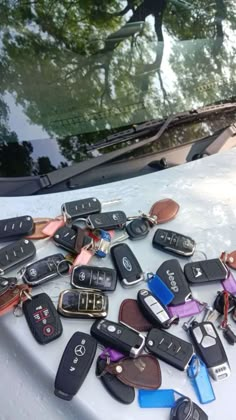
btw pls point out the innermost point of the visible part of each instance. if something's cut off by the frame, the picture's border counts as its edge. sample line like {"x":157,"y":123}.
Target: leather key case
{"x":173,"y":276}
{"x":143,"y":372}
{"x":229,"y":259}
{"x":131,"y":315}
{"x":165,"y":210}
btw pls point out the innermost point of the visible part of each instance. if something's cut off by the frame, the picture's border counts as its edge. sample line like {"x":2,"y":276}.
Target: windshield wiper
{"x":38,"y":184}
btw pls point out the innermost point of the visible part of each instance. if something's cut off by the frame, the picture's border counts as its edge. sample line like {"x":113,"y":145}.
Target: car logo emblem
{"x":127,"y":264}
{"x":80,"y":350}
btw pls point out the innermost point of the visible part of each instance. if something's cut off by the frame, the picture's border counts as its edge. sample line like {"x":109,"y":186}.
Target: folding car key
{"x":152,"y":309}
{"x":205,"y":271}
{"x":209,"y":347}
{"x":15,"y":254}
{"x":84,"y":303}
{"x":127,"y":265}
{"x":71,"y":239}
{"x":108,"y":220}
{"x":46,"y":269}
{"x":90,"y":277}
{"x":42,"y":318}
{"x":169,"y":241}
{"x":169,"y":348}
{"x":75,"y":364}
{"x":119,"y":337}
{"x":15,"y":228}
{"x":73,"y":210}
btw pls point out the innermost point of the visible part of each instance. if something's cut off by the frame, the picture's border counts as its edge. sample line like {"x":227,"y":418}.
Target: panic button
{"x":48,"y":330}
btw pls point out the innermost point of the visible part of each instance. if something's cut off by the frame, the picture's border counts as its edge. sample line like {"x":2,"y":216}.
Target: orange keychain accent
{"x":51,"y":228}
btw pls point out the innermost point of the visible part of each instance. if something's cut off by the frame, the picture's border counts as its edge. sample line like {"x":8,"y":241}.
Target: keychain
{"x":13,"y":297}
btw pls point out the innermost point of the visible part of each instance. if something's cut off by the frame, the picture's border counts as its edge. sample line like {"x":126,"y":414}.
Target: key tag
{"x":111,"y":355}
{"x":187,"y":309}
{"x":39,"y":225}
{"x":51,"y":227}
{"x":229,"y":284}
{"x":198,"y":374}
{"x":159,"y":289}
{"x":159,"y":398}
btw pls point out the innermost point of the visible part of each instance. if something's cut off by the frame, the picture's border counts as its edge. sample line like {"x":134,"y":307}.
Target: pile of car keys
{"x":84,"y":231}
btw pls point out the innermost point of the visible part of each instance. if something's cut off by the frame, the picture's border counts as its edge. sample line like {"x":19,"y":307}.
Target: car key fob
{"x":90,"y":277}
{"x":42,"y":318}
{"x":205,"y":271}
{"x":15,"y":254}
{"x":15,"y":228}
{"x":84,"y":303}
{"x":169,"y":348}
{"x":210,"y":348}
{"x":172,"y":275}
{"x":187,"y":409}
{"x":137,"y":229}
{"x":118,"y":336}
{"x":120,"y":391}
{"x":127,"y":265}
{"x":152,"y":309}
{"x":46,"y":269}
{"x":173,"y":242}
{"x":107,"y":220}
{"x":73,"y":210}
{"x":68,"y":238}
{"x":74,"y":365}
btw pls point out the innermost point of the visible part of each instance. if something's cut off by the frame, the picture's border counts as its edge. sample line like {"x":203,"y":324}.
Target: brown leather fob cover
{"x":165,"y":210}
{"x":229,"y":259}
{"x":143,"y":372}
{"x":131,"y":315}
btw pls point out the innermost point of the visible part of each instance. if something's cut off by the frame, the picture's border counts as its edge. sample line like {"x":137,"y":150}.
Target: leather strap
{"x":142,"y":372}
{"x":229,"y":259}
{"x":165,"y":210}
{"x":131,"y":315}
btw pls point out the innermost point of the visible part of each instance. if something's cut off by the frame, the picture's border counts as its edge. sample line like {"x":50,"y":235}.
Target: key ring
{"x":18,"y":311}
{"x":70,"y":264}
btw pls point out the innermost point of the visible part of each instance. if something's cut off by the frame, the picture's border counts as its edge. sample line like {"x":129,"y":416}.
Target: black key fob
{"x":169,"y":348}
{"x":90,"y":277}
{"x":187,"y":409}
{"x":74,"y":365}
{"x":42,"y":318}
{"x":205,"y":271}
{"x":152,"y":309}
{"x":137,"y":229}
{"x":80,"y":208}
{"x":210,"y":348}
{"x":127,"y":265}
{"x":46,"y":269}
{"x":15,"y":254}
{"x":172,"y":275}
{"x":15,"y":228}
{"x":117,"y":389}
{"x":108,"y":220}
{"x":173,"y":242}
{"x":118,"y":336}
{"x":67,"y":237}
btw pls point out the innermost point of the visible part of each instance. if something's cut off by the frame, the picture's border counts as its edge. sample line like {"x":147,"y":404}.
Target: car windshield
{"x":73,"y":71}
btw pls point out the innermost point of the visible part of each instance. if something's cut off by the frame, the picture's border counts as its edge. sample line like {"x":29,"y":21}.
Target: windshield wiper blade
{"x":142,"y":130}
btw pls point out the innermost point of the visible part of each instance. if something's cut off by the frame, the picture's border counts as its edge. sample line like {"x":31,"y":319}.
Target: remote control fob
{"x":107,"y":220}
{"x":67,"y":238}
{"x":172,"y":275}
{"x":16,"y":227}
{"x":187,"y":409}
{"x":118,"y":336}
{"x":173,"y":242}
{"x":42,"y":318}
{"x":76,"y":303}
{"x":137,"y":229}
{"x":74,"y":365}
{"x":169,"y":348}
{"x":80,"y":208}
{"x":43,"y":270}
{"x":90,"y":277}
{"x":210,"y":348}
{"x":152,"y":309}
{"x":120,"y":391}
{"x":15,"y":254}
{"x":127,"y":265}
{"x":205,"y":271}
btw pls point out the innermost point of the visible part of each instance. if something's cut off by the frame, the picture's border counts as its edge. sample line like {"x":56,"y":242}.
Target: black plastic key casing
{"x":173,"y":242}
{"x":80,"y":208}
{"x":46,"y":269}
{"x":42,"y":318}
{"x":101,"y":278}
{"x":205,"y":271}
{"x":169,"y":348}
{"x":15,"y":254}
{"x":108,"y":220}
{"x":152,"y":309}
{"x":74,"y":365}
{"x":15,"y":228}
{"x":127,"y":266}
{"x":137,"y":229}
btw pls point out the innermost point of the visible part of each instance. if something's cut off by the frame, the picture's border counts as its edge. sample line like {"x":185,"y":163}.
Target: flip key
{"x":16,"y":227}
{"x":90,"y":277}
{"x":127,"y":265}
{"x":15,"y":254}
{"x":108,"y":220}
